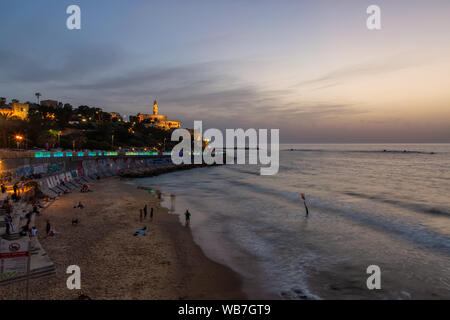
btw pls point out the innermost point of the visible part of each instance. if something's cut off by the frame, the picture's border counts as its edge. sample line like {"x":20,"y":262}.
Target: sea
{"x":369,"y":205}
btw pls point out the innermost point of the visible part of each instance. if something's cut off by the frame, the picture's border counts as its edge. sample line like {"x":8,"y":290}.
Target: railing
{"x":9,"y":154}
{"x":83,"y":154}
{"x":97,"y":154}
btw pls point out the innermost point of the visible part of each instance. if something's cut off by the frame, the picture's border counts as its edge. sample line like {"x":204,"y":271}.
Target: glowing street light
{"x":19,"y":139}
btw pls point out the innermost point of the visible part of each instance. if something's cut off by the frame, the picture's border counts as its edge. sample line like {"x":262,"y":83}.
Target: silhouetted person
{"x":8,"y":226}
{"x":48,"y":227}
{"x":145,"y":212}
{"x":187,"y":215}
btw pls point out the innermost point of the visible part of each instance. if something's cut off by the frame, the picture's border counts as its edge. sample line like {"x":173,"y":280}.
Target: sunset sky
{"x":310,"y":68}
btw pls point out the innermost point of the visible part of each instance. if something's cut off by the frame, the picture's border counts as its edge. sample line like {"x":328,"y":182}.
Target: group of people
{"x":143,"y":213}
{"x":79,"y":206}
{"x":9,"y":223}
{"x":18,"y":190}
{"x":85,"y":188}
{"x":7,"y":207}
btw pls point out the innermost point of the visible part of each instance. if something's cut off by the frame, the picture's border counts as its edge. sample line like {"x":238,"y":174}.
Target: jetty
{"x":145,"y":172}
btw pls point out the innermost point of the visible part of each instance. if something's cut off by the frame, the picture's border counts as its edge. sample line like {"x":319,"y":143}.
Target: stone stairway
{"x":11,"y":236}
{"x":41,"y":265}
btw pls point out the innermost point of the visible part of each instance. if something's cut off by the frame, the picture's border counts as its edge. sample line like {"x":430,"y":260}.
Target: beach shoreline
{"x":164,"y":264}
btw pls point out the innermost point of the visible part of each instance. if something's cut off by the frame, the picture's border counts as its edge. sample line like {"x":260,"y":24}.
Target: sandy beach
{"x":164,"y":264}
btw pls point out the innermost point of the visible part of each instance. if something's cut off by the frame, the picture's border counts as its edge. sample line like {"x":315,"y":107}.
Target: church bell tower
{"x":155,"y":108}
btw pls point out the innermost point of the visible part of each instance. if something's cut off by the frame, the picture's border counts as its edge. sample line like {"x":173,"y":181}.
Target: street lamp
{"x":19,"y":139}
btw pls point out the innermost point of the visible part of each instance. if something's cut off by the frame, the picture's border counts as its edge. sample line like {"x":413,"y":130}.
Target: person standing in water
{"x":187,"y":215}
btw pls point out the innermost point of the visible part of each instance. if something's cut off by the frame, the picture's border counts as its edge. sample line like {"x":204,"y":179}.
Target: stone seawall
{"x":53,"y":171}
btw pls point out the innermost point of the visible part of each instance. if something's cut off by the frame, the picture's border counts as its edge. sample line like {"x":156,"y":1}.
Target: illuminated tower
{"x":155,"y":108}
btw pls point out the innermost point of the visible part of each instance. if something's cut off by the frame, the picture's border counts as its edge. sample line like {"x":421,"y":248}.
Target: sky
{"x":309,"y":68}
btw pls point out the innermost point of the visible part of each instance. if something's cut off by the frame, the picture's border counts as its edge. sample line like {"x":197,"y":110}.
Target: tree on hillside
{"x":5,"y":125}
{"x":78,"y":141}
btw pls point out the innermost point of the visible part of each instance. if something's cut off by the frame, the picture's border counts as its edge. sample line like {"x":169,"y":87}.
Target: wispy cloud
{"x":368,"y":68}
{"x":205,"y":90}
{"x":71,"y":64}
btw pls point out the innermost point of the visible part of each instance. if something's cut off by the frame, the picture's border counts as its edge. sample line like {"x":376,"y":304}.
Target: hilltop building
{"x":115,"y":116}
{"x":156,"y":120}
{"x":15,"y":110}
{"x":51,"y":103}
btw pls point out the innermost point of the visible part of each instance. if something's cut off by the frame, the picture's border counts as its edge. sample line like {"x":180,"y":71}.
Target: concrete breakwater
{"x":144,"y":172}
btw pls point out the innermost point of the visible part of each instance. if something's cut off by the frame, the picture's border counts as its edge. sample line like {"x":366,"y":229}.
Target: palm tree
{"x":5,"y":121}
{"x":38,"y":95}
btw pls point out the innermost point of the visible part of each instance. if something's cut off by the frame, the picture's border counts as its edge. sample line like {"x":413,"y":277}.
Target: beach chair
{"x":46,"y":191}
{"x":56,"y":190}
{"x":65,"y":187}
{"x":85,"y":180}
{"x":71,"y":185}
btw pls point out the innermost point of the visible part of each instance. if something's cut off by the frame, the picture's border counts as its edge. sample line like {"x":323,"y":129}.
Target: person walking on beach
{"x":48,"y":227}
{"x":187,"y":215}
{"x":145,"y":212}
{"x":28,"y":217}
{"x":140,"y":214}
{"x":151,"y":213}
{"x":8,"y":221}
{"x":35,"y":210}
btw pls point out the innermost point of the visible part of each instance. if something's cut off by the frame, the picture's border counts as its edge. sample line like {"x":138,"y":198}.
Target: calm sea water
{"x":367,"y":207}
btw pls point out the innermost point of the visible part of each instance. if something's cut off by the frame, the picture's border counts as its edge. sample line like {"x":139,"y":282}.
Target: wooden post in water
{"x":304,"y":202}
